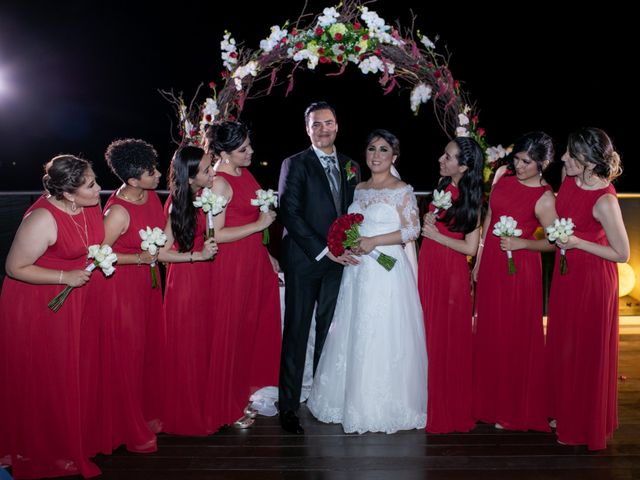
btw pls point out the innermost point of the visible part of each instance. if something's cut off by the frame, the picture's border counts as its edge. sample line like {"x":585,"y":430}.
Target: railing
{"x":13,"y":204}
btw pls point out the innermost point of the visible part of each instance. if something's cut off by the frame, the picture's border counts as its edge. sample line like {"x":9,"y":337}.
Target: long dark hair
{"x":462,"y":216}
{"x":184,"y":166}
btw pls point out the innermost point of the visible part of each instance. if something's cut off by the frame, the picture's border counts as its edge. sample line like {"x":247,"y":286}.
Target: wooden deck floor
{"x":265,"y":452}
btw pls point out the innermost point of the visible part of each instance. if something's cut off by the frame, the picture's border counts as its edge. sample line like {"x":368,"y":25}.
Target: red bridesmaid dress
{"x":508,"y":381}
{"x":582,"y":336}
{"x":245,"y":306}
{"x":187,"y":309}
{"x":444,"y":283}
{"x":124,"y":318}
{"x":40,"y":404}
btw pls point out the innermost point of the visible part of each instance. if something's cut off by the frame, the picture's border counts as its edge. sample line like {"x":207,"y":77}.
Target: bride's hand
{"x":365,"y":245}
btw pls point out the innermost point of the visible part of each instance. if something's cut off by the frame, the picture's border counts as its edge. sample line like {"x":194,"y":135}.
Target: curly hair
{"x":539,"y":147}
{"x":225,"y":136}
{"x":130,"y":158}
{"x":463,"y":214}
{"x":592,"y":145}
{"x":64,"y":173}
{"x":184,"y":166}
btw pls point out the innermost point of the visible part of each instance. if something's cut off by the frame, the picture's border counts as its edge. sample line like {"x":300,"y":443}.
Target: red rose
{"x":357,"y":26}
{"x":341,"y":229}
{"x":338,"y":36}
{"x":481,"y":132}
{"x":299,"y":45}
{"x":319,"y":31}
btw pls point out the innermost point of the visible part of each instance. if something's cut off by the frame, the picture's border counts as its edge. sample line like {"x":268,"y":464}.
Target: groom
{"x":316,"y":186}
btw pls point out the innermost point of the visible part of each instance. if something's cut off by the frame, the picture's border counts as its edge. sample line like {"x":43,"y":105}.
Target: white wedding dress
{"x":372,"y":375}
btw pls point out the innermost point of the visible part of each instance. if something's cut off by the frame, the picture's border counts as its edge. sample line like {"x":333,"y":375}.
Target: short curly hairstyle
{"x":130,"y":158}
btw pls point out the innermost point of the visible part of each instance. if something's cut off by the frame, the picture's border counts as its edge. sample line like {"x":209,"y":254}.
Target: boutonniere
{"x":350,"y":170}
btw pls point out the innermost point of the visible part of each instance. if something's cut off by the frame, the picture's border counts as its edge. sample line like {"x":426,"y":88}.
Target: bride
{"x":372,"y":376}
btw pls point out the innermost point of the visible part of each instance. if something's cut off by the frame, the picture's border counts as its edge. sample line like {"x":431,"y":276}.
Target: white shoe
{"x":498,"y":426}
{"x":553,"y":423}
{"x":243,"y":422}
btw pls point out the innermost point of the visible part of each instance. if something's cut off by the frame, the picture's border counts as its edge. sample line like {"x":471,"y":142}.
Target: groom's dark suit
{"x":307,"y":210}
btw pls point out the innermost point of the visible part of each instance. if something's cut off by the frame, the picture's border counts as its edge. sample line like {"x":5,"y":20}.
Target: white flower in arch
{"x":274,"y":39}
{"x":420,"y":94}
{"x":329,"y":16}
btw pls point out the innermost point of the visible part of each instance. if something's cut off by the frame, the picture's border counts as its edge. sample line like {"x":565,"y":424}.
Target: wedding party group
{"x":97,"y":351}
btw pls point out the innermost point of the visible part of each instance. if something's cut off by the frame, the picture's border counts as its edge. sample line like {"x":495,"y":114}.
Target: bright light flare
{"x":5,"y":85}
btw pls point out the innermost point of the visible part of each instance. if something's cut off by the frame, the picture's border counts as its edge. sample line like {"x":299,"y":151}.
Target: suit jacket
{"x":307,"y":209}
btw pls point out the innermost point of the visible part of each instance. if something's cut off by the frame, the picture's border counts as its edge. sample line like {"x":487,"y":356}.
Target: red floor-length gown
{"x":124,"y":318}
{"x":40,"y":407}
{"x":444,"y":283}
{"x":245,"y":308}
{"x":508,"y":381}
{"x":187,"y":307}
{"x":582,"y":337}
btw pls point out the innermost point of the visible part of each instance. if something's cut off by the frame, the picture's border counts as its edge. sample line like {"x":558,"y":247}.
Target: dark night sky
{"x":84,"y":73}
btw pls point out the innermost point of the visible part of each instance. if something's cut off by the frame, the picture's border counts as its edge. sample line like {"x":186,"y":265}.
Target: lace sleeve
{"x":409,"y":216}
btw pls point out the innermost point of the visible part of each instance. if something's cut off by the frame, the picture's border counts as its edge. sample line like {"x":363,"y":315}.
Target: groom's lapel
{"x":344,"y":183}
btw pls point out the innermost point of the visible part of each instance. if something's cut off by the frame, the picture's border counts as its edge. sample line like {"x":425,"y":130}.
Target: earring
{"x":74,"y":207}
{"x":226,"y":160}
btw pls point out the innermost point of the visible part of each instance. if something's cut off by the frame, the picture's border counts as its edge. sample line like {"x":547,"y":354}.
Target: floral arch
{"x":347,"y":34}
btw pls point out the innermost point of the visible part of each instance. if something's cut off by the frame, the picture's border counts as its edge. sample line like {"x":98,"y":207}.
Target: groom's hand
{"x":345,"y":259}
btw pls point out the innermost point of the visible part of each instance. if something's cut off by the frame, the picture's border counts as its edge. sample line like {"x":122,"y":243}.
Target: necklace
{"x":124,"y":195}
{"x":82,"y":233}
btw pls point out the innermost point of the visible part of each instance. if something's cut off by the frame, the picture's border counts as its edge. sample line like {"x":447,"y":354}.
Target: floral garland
{"x":349,"y":33}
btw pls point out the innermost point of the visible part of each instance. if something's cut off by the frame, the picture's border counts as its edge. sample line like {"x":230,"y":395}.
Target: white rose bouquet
{"x":506,"y":227}
{"x":266,"y":200}
{"x":152,"y":239}
{"x":561,"y":229}
{"x":441,"y":200}
{"x":211,"y":204}
{"x":103,"y":257}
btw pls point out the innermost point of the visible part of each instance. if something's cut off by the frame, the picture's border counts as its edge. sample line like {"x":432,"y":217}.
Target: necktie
{"x":334,"y":178}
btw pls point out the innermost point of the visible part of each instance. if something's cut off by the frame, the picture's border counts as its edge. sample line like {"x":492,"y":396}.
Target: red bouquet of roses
{"x":344,"y":233}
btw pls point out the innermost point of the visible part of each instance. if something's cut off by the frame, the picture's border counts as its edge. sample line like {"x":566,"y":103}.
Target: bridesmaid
{"x":125,"y":314}
{"x":245,"y":297}
{"x":444,"y":283}
{"x":187,"y":305}
{"x":40,"y":407}
{"x":582,"y":335}
{"x":508,"y":382}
